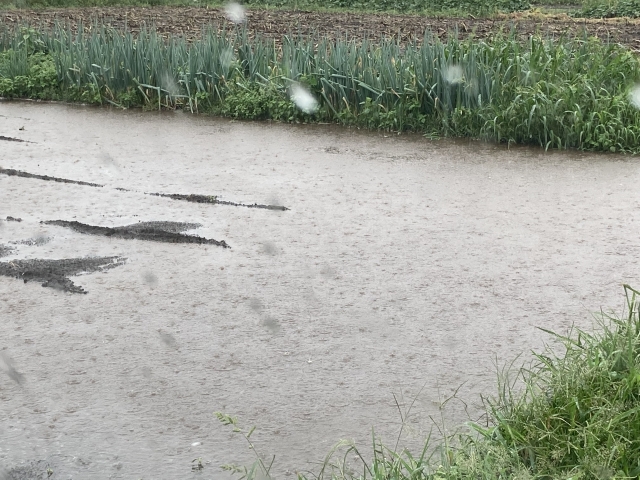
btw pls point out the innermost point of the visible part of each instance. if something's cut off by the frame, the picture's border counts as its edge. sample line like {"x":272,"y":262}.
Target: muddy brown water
{"x":404,"y":266}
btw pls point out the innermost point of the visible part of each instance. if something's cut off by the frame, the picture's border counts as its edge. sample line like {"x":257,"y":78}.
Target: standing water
{"x":402,"y":267}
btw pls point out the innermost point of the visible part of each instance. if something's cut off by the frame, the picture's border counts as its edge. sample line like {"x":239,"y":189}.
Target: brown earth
{"x":189,"y":21}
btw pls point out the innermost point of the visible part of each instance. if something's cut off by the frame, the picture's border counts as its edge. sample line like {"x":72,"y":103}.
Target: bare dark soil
{"x":190,"y":22}
{"x":55,"y":273}
{"x":19,"y":173}
{"x":168,"y":232}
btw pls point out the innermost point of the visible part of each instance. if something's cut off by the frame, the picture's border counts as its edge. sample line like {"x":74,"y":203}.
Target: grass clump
{"x":573,"y":93}
{"x":571,"y":415}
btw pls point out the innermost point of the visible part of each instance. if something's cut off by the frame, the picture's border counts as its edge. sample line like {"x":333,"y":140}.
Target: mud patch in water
{"x":214,"y":200}
{"x":18,"y":173}
{"x":169,"y":232}
{"x":13,"y":219}
{"x":55,"y":273}
{"x":5,"y":250}
{"x":10,"y":139}
{"x":33,"y":242}
{"x":35,"y":470}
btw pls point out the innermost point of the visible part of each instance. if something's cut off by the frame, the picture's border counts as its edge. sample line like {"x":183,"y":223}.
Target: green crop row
{"x":567,"y":94}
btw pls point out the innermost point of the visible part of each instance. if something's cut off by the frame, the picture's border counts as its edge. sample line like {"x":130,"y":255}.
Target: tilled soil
{"x":190,"y":22}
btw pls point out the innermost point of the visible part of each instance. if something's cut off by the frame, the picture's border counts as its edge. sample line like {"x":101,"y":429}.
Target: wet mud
{"x":5,"y":250}
{"x":13,"y":219}
{"x":168,"y":232}
{"x":10,"y":139}
{"x":56,"y":273}
{"x":405,"y":267}
{"x":214,"y":200}
{"x":18,"y":173}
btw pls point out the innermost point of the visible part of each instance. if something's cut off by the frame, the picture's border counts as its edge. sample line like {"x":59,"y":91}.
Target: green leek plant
{"x":572,"y":93}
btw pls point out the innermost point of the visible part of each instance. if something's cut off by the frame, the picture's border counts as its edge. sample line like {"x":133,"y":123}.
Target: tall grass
{"x":570,"y":415}
{"x":572,"y":93}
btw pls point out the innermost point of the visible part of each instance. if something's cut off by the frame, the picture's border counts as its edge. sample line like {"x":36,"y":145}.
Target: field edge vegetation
{"x":566,"y":416}
{"x":573,"y":93}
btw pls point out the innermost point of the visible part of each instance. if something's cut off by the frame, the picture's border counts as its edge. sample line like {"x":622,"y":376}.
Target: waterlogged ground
{"x":403,"y":266}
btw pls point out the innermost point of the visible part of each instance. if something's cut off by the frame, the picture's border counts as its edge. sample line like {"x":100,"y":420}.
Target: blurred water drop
{"x":235,"y":12}
{"x":169,"y":84}
{"x":256,"y":305}
{"x":271,"y":324}
{"x":195,"y":444}
{"x":634,"y":96}
{"x":453,"y":74}
{"x":269,"y":248}
{"x":303,"y":98}
{"x":227,"y":58}
{"x":150,"y":279}
{"x":168,"y":340}
{"x":6,"y":365}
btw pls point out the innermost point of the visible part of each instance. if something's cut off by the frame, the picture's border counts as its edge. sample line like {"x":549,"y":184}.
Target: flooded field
{"x":398,"y":266}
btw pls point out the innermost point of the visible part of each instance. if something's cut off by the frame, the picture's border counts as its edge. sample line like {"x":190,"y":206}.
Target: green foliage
{"x":610,"y":9}
{"x":35,"y":76}
{"x":580,"y":412}
{"x":252,"y":102}
{"x":572,"y":93}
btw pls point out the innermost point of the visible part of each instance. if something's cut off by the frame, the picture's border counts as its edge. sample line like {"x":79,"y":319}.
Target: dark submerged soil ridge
{"x":168,"y":232}
{"x":19,"y":173}
{"x":55,"y":273}
{"x":274,"y":24}
{"x":212,"y":199}
{"x":10,"y":139}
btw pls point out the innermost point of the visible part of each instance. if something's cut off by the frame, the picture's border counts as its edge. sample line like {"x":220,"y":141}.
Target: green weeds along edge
{"x":568,"y":416}
{"x":574,"y":93}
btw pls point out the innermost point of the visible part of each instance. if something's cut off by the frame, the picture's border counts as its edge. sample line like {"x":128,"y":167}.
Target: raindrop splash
{"x":303,"y":98}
